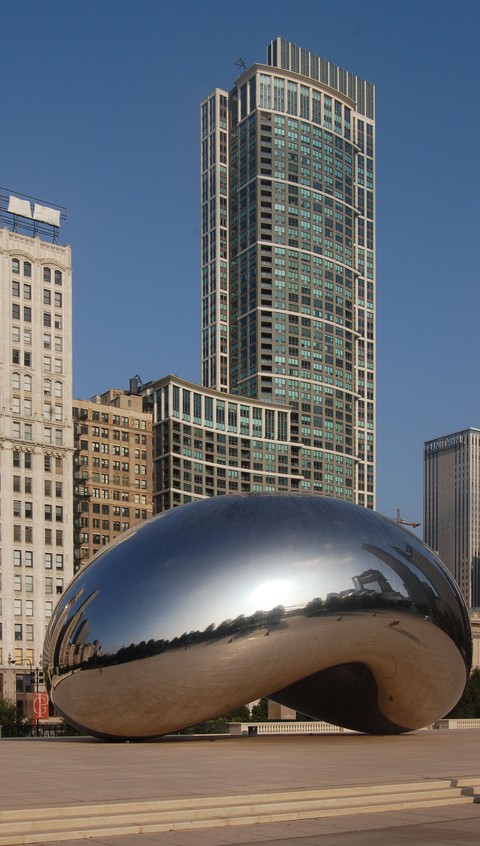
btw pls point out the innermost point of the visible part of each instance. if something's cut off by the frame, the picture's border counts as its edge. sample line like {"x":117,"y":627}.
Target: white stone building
{"x":36,"y":437}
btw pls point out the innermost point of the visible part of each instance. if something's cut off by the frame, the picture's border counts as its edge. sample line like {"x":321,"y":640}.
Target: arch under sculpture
{"x":320,"y":605}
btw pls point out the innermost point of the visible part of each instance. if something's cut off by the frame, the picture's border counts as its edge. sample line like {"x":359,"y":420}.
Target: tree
{"x":238,"y":715}
{"x":8,"y":713}
{"x":468,"y":707}
{"x":260,"y":711}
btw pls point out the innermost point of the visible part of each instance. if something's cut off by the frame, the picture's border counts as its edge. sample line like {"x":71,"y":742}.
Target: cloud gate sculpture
{"x":320,"y":605}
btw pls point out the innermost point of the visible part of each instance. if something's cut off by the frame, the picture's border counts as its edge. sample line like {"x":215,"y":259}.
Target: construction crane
{"x":405,"y":522}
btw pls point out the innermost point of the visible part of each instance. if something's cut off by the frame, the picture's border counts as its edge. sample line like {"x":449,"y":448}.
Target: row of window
{"x":17,"y":314}
{"x":105,"y":417}
{"x":27,"y":293}
{"x":25,"y":557}
{"x":27,"y":271}
{"x":50,"y":463}
{"x":24,"y":431}
{"x":24,"y":532}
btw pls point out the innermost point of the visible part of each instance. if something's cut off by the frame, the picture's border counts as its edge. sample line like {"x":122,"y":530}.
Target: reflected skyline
{"x":235,"y":568}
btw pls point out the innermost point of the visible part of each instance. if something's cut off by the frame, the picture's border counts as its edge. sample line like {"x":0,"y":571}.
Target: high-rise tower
{"x":451,"y":506}
{"x":288,"y":257}
{"x":36,"y":435}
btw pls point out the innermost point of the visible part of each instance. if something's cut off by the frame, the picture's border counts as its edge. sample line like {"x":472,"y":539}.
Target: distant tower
{"x":36,"y":434}
{"x":288,"y":257}
{"x":452,"y":507}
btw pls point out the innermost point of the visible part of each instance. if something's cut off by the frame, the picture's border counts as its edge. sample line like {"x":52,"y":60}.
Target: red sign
{"x":40,"y":706}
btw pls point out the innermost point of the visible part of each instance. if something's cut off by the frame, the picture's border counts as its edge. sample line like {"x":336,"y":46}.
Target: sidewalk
{"x":56,"y":772}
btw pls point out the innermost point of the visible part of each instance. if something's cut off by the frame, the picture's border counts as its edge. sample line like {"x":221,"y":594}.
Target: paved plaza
{"x":58,"y":773}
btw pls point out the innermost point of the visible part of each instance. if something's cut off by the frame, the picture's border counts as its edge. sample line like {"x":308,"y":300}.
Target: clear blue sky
{"x":100,"y":113}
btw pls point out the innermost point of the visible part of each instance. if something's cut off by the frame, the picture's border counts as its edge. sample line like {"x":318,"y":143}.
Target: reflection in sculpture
{"x":320,"y":605}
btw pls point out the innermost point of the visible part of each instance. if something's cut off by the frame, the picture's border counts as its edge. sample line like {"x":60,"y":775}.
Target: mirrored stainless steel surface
{"x":321,"y":605}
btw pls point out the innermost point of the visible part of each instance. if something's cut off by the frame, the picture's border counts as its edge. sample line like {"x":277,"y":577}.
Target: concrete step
{"x":43,"y":825}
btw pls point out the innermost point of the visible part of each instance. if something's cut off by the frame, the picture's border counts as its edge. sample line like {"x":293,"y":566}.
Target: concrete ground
{"x":55,"y":772}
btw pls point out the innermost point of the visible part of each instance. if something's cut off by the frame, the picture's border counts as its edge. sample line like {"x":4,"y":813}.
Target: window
{"x":17,"y":557}
{"x":27,"y":314}
{"x":58,"y":300}
{"x":27,"y":268}
{"x":47,"y":297}
{"x":47,"y":274}
{"x":58,"y":277}
{"x":48,"y":560}
{"x":15,"y":266}
{"x":15,"y":288}
{"x":28,"y":559}
{"x":18,"y":631}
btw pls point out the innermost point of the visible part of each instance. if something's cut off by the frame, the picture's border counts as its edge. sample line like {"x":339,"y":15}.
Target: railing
{"x":38,"y":730}
{"x":457,"y":724}
{"x":287,"y":727}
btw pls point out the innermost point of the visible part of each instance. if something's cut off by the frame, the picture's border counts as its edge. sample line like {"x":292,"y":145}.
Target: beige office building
{"x":452,"y":507}
{"x":36,"y":435}
{"x":113,"y":468}
{"x":208,"y":443}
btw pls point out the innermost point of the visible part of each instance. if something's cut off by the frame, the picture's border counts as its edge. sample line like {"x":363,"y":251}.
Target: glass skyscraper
{"x":288,"y":257}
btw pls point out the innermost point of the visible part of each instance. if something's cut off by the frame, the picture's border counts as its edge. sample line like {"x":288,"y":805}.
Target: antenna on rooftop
{"x":240,"y":64}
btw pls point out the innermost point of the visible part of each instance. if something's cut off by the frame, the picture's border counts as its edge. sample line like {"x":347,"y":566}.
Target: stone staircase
{"x":45,"y":825}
